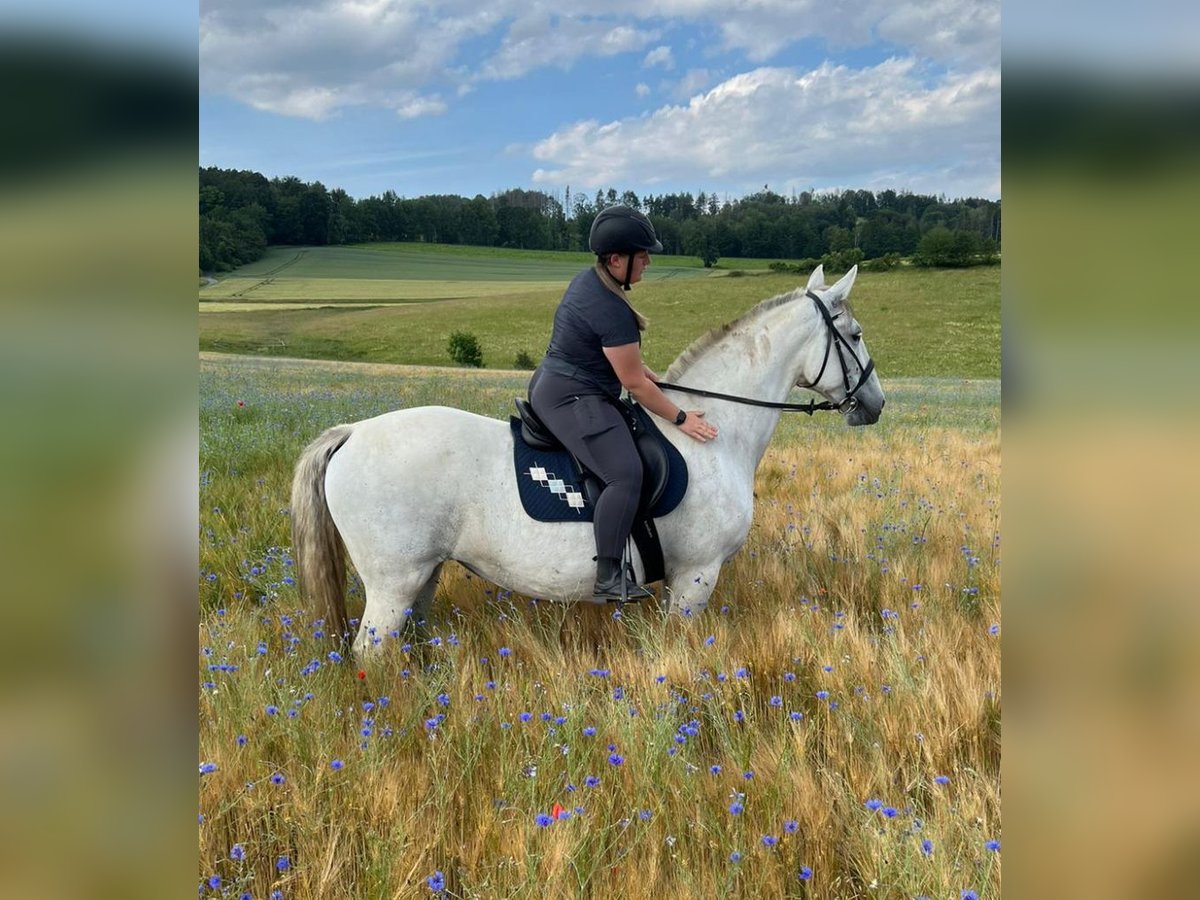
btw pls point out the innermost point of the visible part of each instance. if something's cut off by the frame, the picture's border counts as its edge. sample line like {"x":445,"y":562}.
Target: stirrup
{"x":624,"y":589}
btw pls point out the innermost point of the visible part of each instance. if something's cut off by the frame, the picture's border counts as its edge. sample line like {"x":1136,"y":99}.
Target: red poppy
{"x":557,"y":811}
{"x":361,"y":674}
{"x":241,"y":403}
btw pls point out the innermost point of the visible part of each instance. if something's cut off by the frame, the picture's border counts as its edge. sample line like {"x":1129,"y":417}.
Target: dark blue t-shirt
{"x":589,"y":318}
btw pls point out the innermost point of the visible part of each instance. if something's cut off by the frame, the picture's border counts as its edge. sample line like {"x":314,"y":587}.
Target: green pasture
{"x":401,"y":305}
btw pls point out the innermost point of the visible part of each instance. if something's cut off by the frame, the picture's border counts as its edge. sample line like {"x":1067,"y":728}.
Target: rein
{"x":847,"y":404}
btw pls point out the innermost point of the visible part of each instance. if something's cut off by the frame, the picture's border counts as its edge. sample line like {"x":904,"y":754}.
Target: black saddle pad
{"x":551,"y":490}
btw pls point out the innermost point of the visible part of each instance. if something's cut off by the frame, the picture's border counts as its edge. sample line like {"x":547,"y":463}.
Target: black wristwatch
{"x":681,"y":418}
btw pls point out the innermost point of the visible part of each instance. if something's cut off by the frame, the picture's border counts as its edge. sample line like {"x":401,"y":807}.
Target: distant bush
{"x":842,"y":260}
{"x":884,"y":263}
{"x":941,"y":248}
{"x":800,"y":267}
{"x":464,"y":349}
{"x":524,"y":361}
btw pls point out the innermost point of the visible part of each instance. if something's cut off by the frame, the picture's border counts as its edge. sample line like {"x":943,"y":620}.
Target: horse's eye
{"x":857,"y":336}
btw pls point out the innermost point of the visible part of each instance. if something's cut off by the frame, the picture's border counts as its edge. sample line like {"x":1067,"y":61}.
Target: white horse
{"x":406,"y":491}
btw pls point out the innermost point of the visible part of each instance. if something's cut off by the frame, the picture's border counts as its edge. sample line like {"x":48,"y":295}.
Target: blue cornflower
{"x":769,"y":840}
{"x":443,"y":699}
{"x":277,"y":778}
{"x":505,"y":651}
{"x":992,"y":845}
{"x":789,"y":676}
{"x":735,"y":857}
{"x":739,"y":716}
{"x":969,"y":894}
{"x":742,"y":672}
{"x":795,"y":716}
{"x":890,"y":812}
{"x":822,"y":695}
{"x":873,"y":804}
{"x":805,"y":873}
{"x":277,"y":895}
{"x":592,"y":781}
{"x":245,"y":895}
{"x":776,"y":700}
{"x":525,"y":716}
{"x":237,"y":852}
{"x":735,"y":808}
{"x":710,"y":640}
{"x":747,"y":774}
{"x":336,"y":764}
{"x":616,"y":759}
{"x":283,"y":864}
{"x":927,"y":847}
{"x":272,"y":709}
{"x":214,"y":882}
{"x":659,"y":679}
{"x":206,"y":767}
{"x":791,"y":826}
{"x":645,"y":815}
{"x":994,"y":629}
{"x":241,"y":740}
{"x":543,"y":820}
{"x":334,"y":656}
{"x":714,"y":769}
{"x":589,"y":731}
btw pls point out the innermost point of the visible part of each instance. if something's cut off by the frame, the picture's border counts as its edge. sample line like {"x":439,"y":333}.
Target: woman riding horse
{"x":595,"y":350}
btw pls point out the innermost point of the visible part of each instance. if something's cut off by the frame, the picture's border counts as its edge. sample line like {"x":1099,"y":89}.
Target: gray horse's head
{"x":845,"y":357}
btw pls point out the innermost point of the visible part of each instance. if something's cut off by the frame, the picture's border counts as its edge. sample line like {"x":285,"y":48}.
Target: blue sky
{"x":725,"y":96}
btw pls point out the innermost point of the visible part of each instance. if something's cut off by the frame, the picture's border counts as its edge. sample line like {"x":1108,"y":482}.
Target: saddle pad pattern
{"x":551,"y":490}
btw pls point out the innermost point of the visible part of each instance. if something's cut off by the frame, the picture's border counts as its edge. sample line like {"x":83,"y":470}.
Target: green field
{"x":400,"y":303}
{"x":829,"y":727}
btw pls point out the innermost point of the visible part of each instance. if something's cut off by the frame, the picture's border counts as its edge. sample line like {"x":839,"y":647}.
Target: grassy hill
{"x":399,"y":303}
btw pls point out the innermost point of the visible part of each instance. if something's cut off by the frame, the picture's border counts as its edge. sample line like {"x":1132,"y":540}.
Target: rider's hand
{"x":697,"y":427}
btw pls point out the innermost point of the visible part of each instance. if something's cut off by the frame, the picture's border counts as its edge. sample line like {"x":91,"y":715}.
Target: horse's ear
{"x":816,"y":279}
{"x":837,"y":294}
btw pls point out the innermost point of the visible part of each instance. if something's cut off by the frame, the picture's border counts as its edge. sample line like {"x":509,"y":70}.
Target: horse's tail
{"x":316,"y":543}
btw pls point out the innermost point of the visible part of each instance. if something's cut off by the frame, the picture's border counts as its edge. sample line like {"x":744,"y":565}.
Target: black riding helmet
{"x":621,"y":229}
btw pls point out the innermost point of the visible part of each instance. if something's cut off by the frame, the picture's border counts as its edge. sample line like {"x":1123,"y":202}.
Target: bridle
{"x":835,"y":341}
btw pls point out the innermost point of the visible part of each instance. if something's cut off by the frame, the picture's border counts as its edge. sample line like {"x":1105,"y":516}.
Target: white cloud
{"x":822,"y":127}
{"x":311,"y":57}
{"x":533,"y":43}
{"x":642,"y":89}
{"x":692,"y":83}
{"x":659,"y":56}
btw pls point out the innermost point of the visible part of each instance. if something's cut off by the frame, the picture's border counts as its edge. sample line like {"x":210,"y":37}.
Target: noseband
{"x":835,"y":340}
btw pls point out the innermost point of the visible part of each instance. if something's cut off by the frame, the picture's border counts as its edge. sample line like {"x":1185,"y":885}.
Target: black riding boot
{"x":608,"y":582}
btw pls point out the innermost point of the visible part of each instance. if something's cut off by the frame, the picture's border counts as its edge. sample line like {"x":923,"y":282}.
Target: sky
{"x":726,"y":96}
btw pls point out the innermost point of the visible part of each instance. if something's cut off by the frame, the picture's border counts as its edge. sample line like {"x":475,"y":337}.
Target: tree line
{"x":243,"y":212}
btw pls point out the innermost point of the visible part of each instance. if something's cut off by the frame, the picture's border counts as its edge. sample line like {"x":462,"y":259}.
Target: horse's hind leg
{"x":394,"y":601}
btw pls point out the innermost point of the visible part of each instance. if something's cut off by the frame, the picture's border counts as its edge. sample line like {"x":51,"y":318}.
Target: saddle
{"x":656,"y":466}
{"x":664,"y":475}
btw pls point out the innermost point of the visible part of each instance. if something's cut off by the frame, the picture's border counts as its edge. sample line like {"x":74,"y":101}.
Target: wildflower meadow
{"x":828,"y":727}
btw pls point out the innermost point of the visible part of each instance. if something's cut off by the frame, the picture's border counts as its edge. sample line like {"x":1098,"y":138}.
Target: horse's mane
{"x":696,"y":348}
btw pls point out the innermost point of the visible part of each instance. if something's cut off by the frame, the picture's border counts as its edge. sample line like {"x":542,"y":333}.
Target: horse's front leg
{"x":688,"y":588}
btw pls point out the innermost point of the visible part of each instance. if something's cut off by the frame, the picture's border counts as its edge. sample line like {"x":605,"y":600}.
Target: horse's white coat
{"x":410,"y":489}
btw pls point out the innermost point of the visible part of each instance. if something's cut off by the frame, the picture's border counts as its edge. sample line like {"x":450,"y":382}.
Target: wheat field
{"x":829,"y":727}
